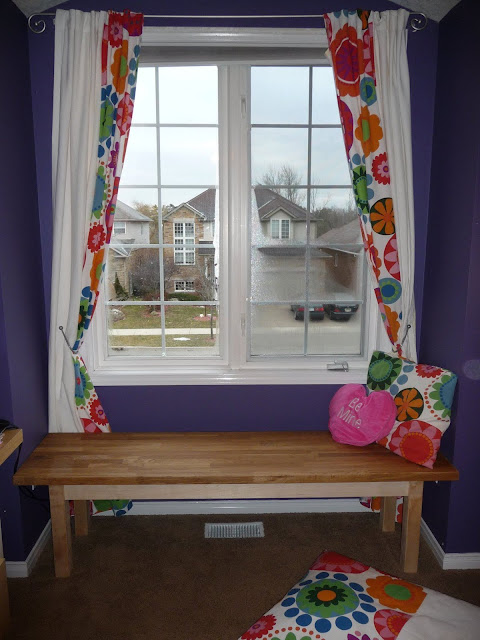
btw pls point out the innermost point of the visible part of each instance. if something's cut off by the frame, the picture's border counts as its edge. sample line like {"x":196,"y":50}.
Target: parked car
{"x":342,"y":311}
{"x":316,"y":312}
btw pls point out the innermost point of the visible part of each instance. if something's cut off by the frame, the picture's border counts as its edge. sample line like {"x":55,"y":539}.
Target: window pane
{"x":188,"y":95}
{"x":329,"y":161}
{"x":139,"y":219}
{"x":339,"y":333}
{"x":337,"y":278}
{"x":141,"y":160}
{"x":279,"y":95}
{"x":171,"y":268}
{"x":278,"y":274}
{"x":192,"y":331}
{"x":324,"y":96}
{"x":134,"y":197}
{"x":274,"y":331}
{"x":189,"y":156}
{"x":144,"y":110}
{"x":203,"y":198}
{"x":275,"y":231}
{"x":275,"y":149}
{"x":132,"y":274}
{"x":333,"y":208}
{"x":134,"y":330}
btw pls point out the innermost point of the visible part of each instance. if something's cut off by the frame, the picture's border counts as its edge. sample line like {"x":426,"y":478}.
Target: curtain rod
{"x":37,"y":24}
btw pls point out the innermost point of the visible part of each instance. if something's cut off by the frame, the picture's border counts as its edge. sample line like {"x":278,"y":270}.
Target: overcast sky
{"x":189,"y":155}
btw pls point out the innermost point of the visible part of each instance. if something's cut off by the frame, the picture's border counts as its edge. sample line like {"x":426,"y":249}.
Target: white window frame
{"x":116,"y":225}
{"x":233,"y":367}
{"x":184,"y":289}
{"x":280,"y":235}
{"x":183,"y":249}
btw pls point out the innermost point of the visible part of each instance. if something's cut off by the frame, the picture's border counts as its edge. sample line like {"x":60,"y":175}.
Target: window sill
{"x":143,"y":376}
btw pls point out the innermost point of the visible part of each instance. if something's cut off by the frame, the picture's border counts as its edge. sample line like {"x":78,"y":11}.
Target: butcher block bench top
{"x":216,"y":458}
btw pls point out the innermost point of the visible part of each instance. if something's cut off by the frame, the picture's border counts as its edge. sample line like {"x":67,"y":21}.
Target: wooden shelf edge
{"x":12,"y":439}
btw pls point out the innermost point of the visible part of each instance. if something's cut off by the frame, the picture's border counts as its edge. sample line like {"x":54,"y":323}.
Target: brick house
{"x":192,"y":269}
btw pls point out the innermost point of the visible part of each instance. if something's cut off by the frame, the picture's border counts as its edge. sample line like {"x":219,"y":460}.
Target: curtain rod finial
{"x":36,"y":23}
{"x":418,"y":21}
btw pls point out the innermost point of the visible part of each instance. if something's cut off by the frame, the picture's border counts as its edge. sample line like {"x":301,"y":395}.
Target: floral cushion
{"x":343,"y":599}
{"x":423,"y":395}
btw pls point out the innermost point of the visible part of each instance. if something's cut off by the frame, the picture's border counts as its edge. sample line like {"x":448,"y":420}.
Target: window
{"x":184,"y":285}
{"x":184,"y":235}
{"x":119,"y":228}
{"x":280,"y":229}
{"x":247,"y":190}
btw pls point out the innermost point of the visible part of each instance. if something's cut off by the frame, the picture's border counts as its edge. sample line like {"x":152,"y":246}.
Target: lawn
{"x":176,"y":317}
{"x":156,"y":341}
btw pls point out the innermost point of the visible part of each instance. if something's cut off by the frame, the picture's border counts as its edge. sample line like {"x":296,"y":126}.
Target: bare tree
{"x":329,"y":215}
{"x":205,"y":286}
{"x":285,"y":181}
{"x":144,"y":273}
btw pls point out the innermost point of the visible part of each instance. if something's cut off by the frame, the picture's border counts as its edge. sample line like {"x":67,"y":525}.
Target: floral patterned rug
{"x":343,"y":599}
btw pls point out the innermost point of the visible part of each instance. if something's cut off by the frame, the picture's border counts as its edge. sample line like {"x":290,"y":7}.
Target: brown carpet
{"x":156,"y":577}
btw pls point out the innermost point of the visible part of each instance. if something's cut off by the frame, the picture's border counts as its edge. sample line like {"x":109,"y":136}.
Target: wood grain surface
{"x":12,"y":438}
{"x":204,"y":458}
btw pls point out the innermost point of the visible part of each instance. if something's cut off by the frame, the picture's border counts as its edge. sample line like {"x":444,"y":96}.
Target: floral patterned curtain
{"x":120,"y":51}
{"x":351,"y":47}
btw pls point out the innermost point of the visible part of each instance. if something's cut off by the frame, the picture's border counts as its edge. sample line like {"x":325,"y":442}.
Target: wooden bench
{"x":204,"y":466}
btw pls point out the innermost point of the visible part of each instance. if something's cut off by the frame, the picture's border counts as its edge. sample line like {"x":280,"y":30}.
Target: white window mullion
{"x":234,"y":104}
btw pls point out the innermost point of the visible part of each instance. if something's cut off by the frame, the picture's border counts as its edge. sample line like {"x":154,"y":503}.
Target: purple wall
{"x":274,"y":407}
{"x":22,"y":313}
{"x":451,"y":330}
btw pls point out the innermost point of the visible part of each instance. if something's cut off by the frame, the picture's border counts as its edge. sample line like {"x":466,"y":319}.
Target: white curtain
{"x":393,"y":88}
{"x":76,"y":108}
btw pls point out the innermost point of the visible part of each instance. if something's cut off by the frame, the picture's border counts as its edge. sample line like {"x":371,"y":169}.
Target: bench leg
{"x":412,"y":516}
{"x":387,"y":513}
{"x":61,"y":532}
{"x":82,"y":516}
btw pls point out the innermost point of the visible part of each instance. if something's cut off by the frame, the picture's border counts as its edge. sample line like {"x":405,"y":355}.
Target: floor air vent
{"x":236,"y":530}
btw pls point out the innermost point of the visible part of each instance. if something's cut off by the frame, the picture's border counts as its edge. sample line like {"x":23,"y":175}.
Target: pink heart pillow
{"x":358,"y":419}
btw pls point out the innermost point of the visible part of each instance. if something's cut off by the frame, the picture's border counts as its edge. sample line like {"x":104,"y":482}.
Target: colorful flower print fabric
{"x":119,"y":63}
{"x":351,"y":46}
{"x":360,"y":603}
{"x":423,"y":396}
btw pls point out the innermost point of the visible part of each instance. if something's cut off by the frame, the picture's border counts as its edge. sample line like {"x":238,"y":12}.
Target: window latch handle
{"x":338,"y":365}
{"x":244,"y":106}
{"x":242,"y":324}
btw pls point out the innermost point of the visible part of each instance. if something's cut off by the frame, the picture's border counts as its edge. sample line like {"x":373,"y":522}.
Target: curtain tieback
{"x":65,"y":338}
{"x":399,"y":346}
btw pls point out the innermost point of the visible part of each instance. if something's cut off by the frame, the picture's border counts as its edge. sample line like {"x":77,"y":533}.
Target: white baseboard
{"x":24,"y":569}
{"x":449,"y":560}
{"x":461,"y":561}
{"x":224,"y":507}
